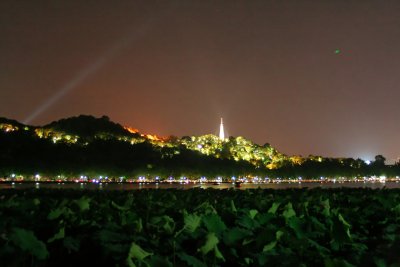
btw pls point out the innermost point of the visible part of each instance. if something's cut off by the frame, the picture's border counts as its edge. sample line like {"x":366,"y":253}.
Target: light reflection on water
{"x":138,"y":186}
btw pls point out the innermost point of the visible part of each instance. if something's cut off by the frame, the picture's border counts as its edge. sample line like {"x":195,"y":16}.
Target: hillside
{"x":85,"y":129}
{"x":85,"y":144}
{"x":86,"y":126}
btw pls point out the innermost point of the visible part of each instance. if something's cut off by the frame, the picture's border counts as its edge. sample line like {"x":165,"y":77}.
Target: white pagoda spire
{"x":221,"y":130}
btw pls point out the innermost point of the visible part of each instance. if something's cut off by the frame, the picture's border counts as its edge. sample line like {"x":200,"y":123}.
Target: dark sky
{"x":271,"y":69}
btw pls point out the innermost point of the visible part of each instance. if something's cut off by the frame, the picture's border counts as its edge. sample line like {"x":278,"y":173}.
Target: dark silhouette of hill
{"x":88,"y":126}
{"x":90,"y":145}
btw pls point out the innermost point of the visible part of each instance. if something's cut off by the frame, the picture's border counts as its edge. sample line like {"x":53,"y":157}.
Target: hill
{"x":90,"y":145}
{"x":84,"y":129}
{"x":86,"y":126}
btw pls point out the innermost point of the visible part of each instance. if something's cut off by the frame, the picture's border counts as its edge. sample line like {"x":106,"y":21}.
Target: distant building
{"x":221,"y":130}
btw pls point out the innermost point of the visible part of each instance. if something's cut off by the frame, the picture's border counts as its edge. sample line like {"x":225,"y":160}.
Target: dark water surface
{"x":138,"y":186}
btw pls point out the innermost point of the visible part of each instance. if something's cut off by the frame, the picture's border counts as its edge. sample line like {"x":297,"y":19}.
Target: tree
{"x":379,"y":160}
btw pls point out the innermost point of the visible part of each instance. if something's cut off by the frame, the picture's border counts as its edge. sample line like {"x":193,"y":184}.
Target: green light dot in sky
{"x":337,"y":51}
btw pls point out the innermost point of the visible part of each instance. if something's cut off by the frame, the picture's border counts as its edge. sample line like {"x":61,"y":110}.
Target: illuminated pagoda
{"x":221,"y":131}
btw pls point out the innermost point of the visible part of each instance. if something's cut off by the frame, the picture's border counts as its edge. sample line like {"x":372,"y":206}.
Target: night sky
{"x":308,"y":77}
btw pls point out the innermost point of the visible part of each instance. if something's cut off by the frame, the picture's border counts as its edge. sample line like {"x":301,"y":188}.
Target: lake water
{"x":243,"y":186}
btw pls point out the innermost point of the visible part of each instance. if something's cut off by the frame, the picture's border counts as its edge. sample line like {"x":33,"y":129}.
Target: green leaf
{"x":28,"y":242}
{"x":11,"y":202}
{"x":340,"y":232}
{"x":71,"y":244}
{"x":235,"y":235}
{"x":265,"y":218}
{"x":118,"y":207}
{"x":247,"y":241}
{"x":205,"y":208}
{"x":107,"y":236}
{"x":55,"y":213}
{"x":296,"y":224}
{"x":253,"y":213}
{"x":36,"y":201}
{"x":326,"y":208}
{"x":158,"y":261}
{"x":305,"y":205}
{"x":138,"y":225}
{"x":211,"y":242}
{"x":248,"y":261}
{"x":380,"y":263}
{"x":272,"y":244}
{"x":288,"y":211}
{"x":396,"y":209}
{"x":269,"y":246}
{"x":359,"y":248}
{"x":214,"y":223}
{"x":321,"y":249}
{"x":337,"y":263}
{"x":136,"y":252}
{"x":317,"y":224}
{"x":274,"y":207}
{"x":233,"y":207}
{"x":83,"y":203}
{"x":163,"y":223}
{"x":279,"y":234}
{"x":190,"y":260}
{"x":345,"y":224}
{"x":168,"y":224}
{"x":192,"y":222}
{"x":218,"y":254}
{"x":248,"y":222}
{"x":59,"y":235}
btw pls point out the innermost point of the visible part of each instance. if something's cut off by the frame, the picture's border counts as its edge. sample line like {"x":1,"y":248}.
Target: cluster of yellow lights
{"x":238,"y":149}
{"x":297,"y":160}
{"x":153,"y":137}
{"x":8,"y":127}
{"x":56,"y":136}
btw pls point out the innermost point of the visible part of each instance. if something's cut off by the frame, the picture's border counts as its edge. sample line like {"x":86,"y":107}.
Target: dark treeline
{"x":90,"y":146}
{"x":332,"y":167}
{"x":23,"y":153}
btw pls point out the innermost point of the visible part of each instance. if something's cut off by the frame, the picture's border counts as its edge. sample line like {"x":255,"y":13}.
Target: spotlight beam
{"x":92,"y":68}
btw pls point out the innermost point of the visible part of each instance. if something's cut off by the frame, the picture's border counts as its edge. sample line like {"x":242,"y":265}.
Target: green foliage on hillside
{"x":236,"y":148}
